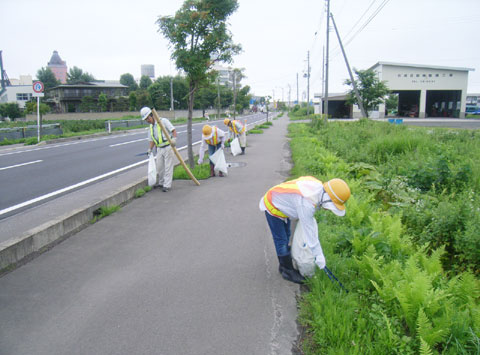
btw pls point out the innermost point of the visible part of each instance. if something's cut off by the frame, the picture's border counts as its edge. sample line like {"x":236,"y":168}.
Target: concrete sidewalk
{"x":191,"y":271}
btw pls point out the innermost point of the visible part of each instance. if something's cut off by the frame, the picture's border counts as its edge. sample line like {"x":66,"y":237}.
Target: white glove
{"x":320,"y":261}
{"x":173,"y":141}
{"x":200,"y":162}
{"x":149,"y":152}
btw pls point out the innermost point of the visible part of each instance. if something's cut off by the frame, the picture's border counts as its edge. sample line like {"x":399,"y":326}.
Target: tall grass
{"x":409,"y":246}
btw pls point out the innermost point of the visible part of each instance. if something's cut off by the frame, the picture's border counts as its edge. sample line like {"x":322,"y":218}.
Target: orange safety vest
{"x":234,"y":127}
{"x":289,"y":187}
{"x":214,"y":139}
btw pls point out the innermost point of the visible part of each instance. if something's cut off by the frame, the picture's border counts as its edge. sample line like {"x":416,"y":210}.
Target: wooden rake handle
{"x":167,"y":134}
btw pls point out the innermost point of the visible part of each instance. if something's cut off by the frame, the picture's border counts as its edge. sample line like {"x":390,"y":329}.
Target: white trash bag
{"x":235,"y":147}
{"x":218,"y":159}
{"x":302,"y":254}
{"x":152,"y":171}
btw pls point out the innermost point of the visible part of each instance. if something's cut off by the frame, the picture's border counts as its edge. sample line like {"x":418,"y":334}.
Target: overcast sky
{"x":108,"y":38}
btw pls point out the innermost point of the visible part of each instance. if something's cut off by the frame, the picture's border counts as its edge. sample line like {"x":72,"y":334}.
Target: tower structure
{"x":58,"y":67}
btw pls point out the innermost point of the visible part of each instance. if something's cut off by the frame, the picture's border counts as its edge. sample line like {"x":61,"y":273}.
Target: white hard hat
{"x":145,"y":112}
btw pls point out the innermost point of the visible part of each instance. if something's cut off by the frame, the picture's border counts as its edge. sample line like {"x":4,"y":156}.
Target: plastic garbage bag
{"x":152,"y":170}
{"x":302,"y":254}
{"x":218,"y":159}
{"x":235,"y":147}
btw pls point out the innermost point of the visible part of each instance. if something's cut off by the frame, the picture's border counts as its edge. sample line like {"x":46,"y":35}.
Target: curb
{"x":34,"y":241}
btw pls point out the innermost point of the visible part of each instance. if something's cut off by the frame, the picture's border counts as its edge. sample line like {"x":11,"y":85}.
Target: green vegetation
{"x":200,"y":172}
{"x":104,"y":211}
{"x":408,"y":248}
{"x":141,"y":192}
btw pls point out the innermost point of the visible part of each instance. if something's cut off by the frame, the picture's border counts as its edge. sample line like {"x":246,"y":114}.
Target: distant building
{"x":20,"y":91}
{"x":148,"y":70}
{"x":67,"y":98}
{"x":225,"y":76}
{"x":58,"y":67}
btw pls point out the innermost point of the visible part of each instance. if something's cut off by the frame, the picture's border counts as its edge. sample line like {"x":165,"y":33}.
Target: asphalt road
{"x":33,"y":175}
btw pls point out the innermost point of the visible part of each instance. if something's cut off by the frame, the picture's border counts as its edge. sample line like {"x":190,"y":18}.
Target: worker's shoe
{"x":243,"y":151}
{"x":165,"y":189}
{"x":158,"y":186}
{"x":220,"y":174}
{"x":287,"y":270}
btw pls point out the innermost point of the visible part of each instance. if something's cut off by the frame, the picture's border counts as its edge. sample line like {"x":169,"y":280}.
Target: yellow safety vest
{"x":164,"y":143}
{"x":214,"y":139}
{"x":289,"y":187}
{"x":234,"y":127}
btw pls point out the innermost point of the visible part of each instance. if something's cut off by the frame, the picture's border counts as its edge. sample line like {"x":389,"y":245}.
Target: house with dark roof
{"x":68,"y":97}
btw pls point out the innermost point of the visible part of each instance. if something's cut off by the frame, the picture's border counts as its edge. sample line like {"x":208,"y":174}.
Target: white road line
{"x":16,"y":166}
{"x":68,"y":188}
{"x":137,"y":140}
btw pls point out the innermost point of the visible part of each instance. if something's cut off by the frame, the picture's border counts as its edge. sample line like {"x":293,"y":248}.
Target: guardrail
{"x":111,"y":125}
{"x":29,"y":131}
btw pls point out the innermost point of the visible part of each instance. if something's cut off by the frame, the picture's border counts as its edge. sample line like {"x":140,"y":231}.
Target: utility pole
{"x":298,"y":102}
{"x":357,"y":95}
{"x":326,"y":63}
{"x":172,"y":108}
{"x":234,"y":95}
{"x":308,"y":83}
{"x":323,"y":81}
{"x":218,"y":99}
{"x":289,"y":92}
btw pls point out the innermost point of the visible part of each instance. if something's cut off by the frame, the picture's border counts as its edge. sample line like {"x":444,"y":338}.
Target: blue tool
{"x":330,"y":275}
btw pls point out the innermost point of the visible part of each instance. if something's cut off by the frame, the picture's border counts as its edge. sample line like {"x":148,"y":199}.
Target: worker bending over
{"x":299,"y":199}
{"x":238,"y":130}
{"x":214,"y":137}
{"x":164,"y":151}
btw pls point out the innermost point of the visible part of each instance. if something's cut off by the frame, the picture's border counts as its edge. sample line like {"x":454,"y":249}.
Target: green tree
{"x":145,"y":82}
{"x":76,"y":75}
{"x":243,"y":98}
{"x":46,"y":76}
{"x":10,"y":110}
{"x":143,"y":98}
{"x":160,"y":99}
{"x":132,"y":101}
{"x":31,"y":107}
{"x":199,"y":37}
{"x":391,"y":102}
{"x":372,"y":91}
{"x":127,"y":79}
{"x":87,"y":104}
{"x":102,"y":102}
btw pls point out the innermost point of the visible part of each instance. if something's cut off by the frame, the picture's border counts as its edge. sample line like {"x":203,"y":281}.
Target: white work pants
{"x":242,"y":139}
{"x":165,"y":166}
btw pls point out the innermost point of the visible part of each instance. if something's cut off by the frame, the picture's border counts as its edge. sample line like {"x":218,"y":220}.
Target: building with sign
{"x":423,"y":91}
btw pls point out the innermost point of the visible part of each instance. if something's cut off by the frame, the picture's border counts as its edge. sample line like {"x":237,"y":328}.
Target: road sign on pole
{"x":38,"y":88}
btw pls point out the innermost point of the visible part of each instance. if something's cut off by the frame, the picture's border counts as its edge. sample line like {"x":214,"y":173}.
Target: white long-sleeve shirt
{"x":203,"y":145}
{"x":298,"y":207}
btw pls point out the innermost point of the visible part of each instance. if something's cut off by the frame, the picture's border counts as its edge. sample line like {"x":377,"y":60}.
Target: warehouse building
{"x":423,"y":91}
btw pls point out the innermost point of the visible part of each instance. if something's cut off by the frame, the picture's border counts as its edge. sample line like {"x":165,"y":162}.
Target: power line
{"x":379,"y":8}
